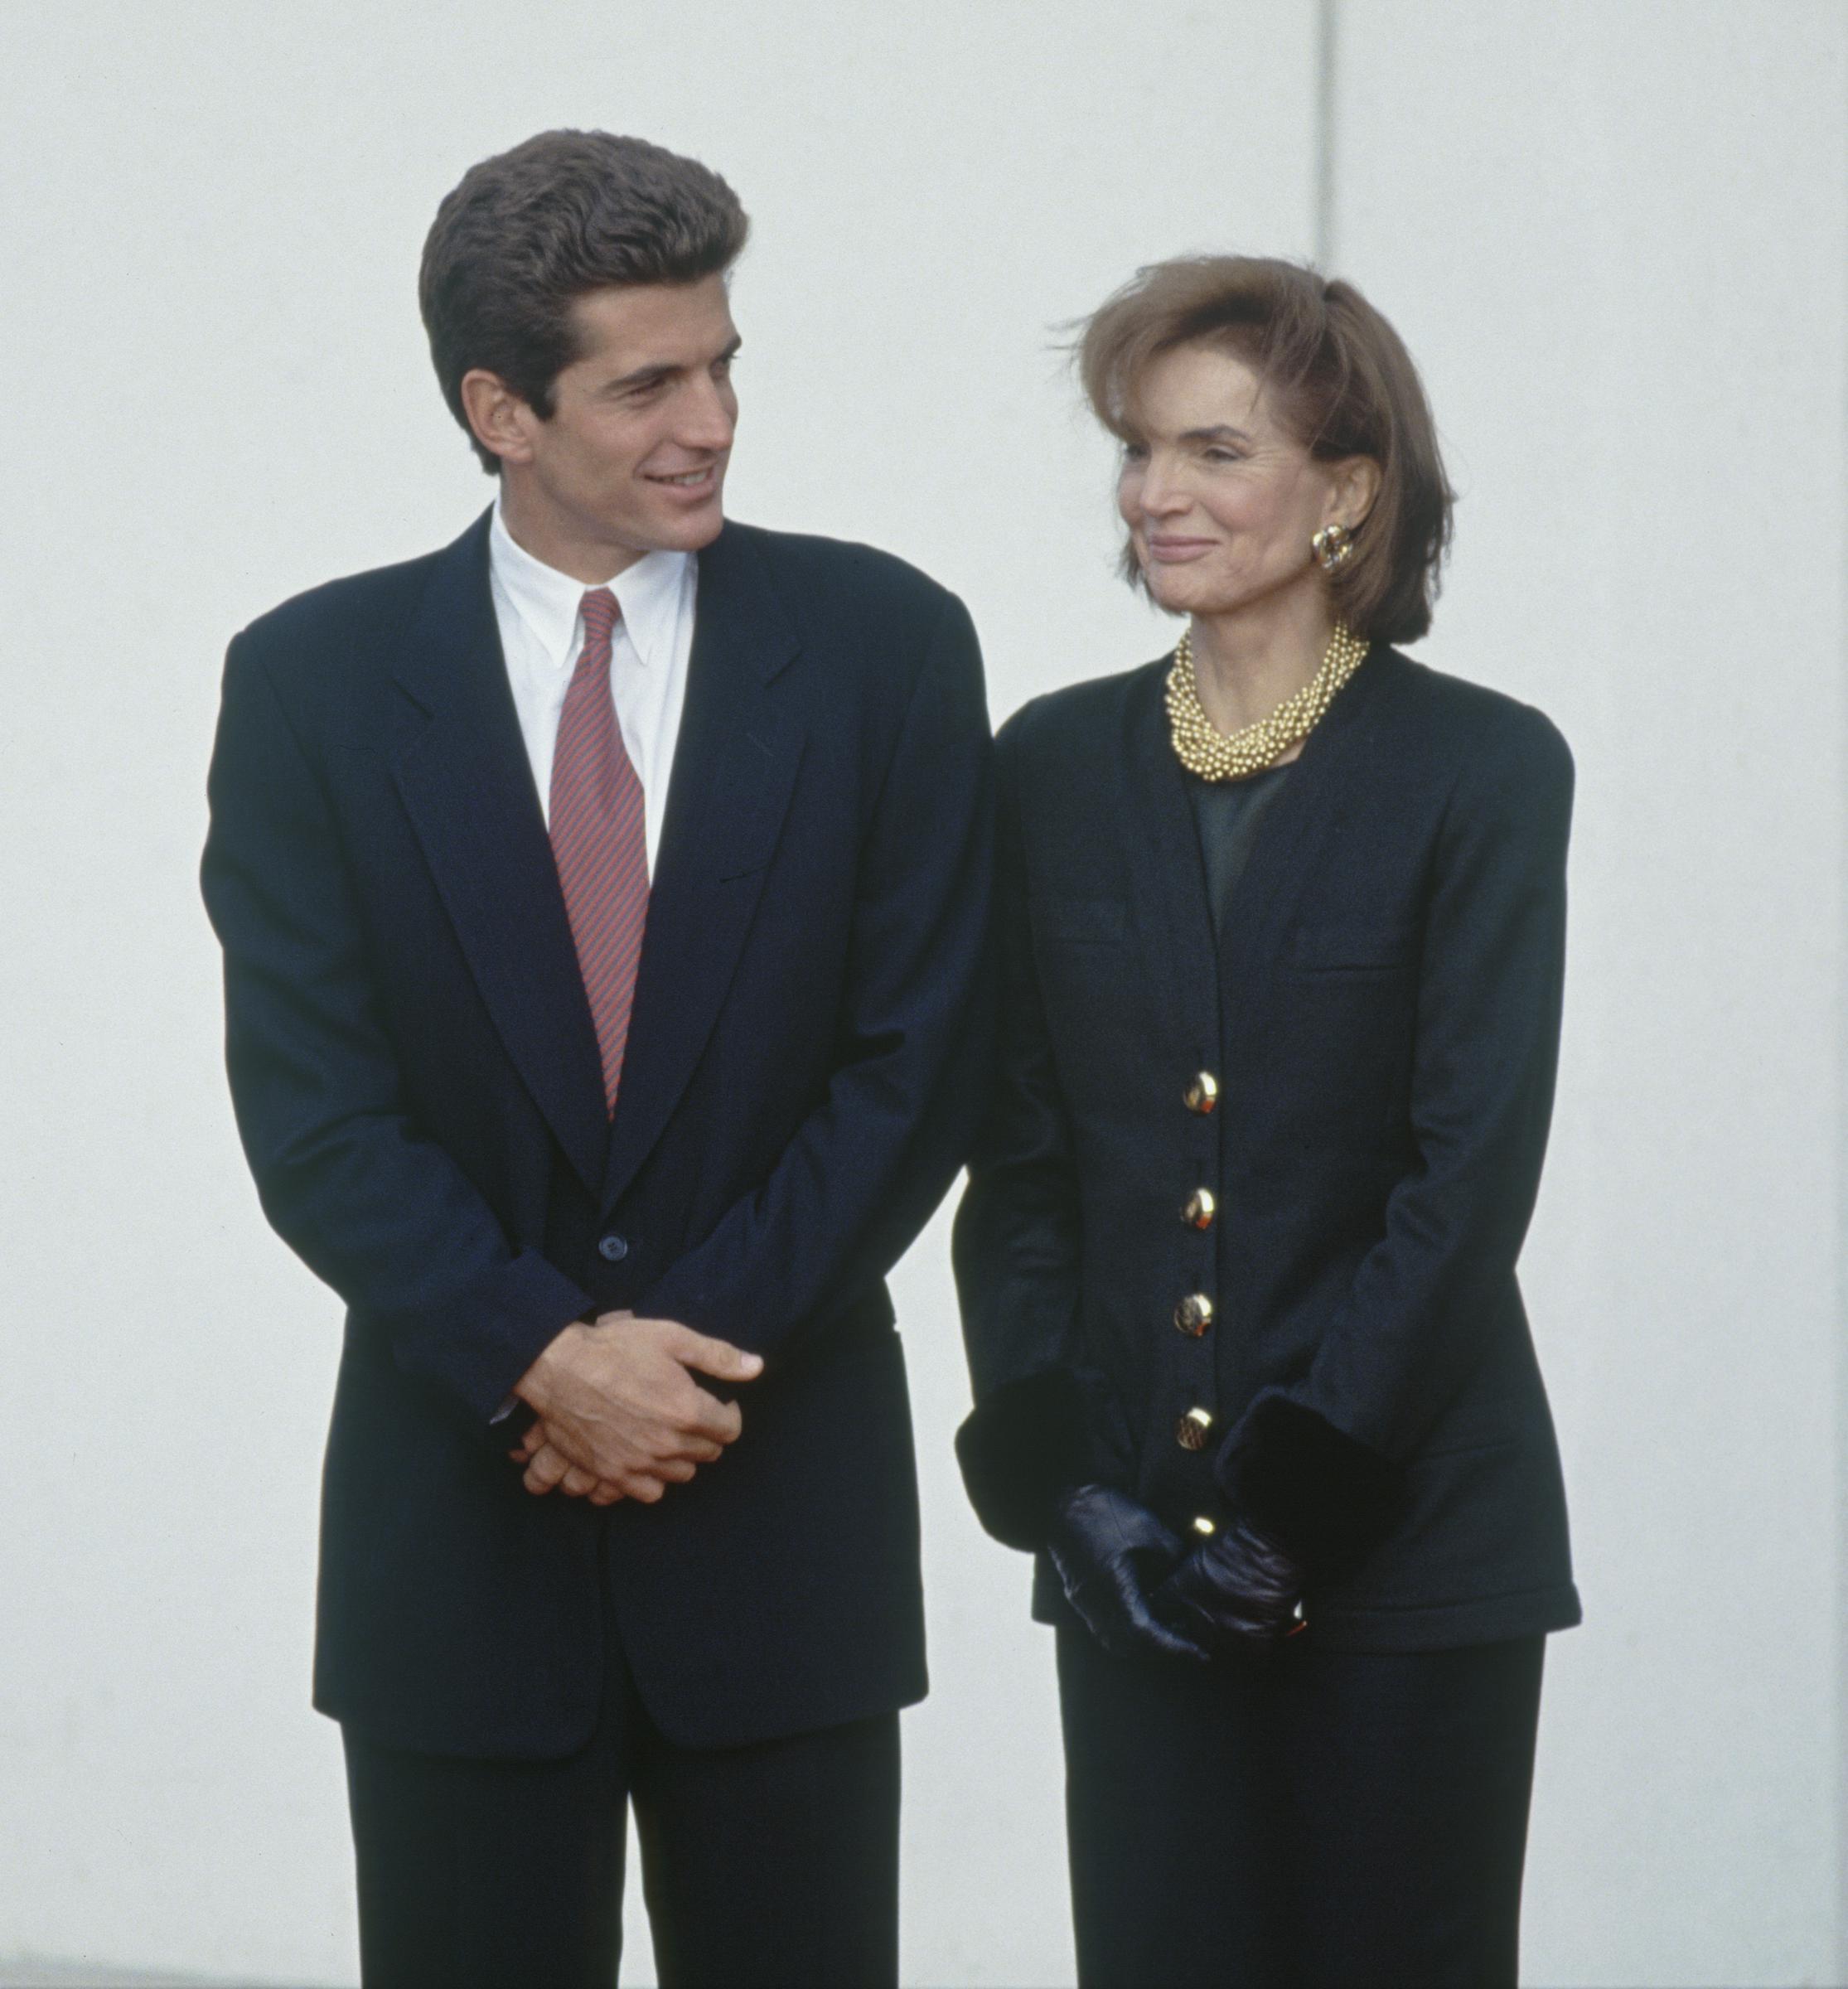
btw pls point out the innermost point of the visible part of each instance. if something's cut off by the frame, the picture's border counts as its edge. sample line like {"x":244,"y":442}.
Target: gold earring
{"x":1332,"y":546}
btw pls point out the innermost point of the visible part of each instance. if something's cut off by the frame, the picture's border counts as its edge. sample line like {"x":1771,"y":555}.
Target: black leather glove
{"x":1110,"y":1552}
{"x":1236,"y":1591}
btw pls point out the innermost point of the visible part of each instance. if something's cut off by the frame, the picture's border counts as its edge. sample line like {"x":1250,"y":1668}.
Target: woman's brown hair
{"x":1340,"y":380}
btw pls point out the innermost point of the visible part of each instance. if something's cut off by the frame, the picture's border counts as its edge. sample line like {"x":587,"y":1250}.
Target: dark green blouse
{"x":1226,"y":816}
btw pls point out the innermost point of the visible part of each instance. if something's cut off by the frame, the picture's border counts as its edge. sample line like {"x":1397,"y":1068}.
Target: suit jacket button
{"x":1194,"y":1315}
{"x":1203,"y":1095}
{"x":1199,"y":1209}
{"x":613,"y":1249}
{"x":1190,"y":1431}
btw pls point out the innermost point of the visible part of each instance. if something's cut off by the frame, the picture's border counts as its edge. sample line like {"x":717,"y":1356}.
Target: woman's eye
{"x":1221,"y":455}
{"x":1135,"y":451}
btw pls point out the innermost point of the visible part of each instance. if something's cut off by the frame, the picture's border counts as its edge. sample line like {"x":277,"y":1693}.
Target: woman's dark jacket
{"x":1381,"y":1023}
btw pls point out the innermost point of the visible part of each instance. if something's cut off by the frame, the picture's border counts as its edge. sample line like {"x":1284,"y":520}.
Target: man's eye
{"x":1135,"y":451}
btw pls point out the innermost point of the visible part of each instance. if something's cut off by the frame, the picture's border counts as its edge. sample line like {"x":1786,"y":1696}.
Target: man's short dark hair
{"x":527,"y":233}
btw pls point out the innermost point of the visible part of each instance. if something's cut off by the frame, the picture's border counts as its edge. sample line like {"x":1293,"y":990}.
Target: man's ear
{"x":499,"y":417}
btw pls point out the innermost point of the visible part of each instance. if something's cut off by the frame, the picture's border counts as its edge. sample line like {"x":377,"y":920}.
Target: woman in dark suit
{"x":1283,"y":917}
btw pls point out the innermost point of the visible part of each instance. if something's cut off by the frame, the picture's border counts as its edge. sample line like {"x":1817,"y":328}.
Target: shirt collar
{"x":648,"y":593}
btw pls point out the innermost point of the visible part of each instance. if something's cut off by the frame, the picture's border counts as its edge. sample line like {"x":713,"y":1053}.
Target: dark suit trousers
{"x":1326,"y":1817}
{"x":770,"y":1865}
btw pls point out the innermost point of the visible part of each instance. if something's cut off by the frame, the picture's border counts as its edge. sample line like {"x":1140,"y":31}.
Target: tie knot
{"x":599,"y":611}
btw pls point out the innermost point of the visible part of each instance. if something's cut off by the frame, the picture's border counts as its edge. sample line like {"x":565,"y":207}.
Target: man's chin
{"x":709,"y":524}
{"x":688,"y":530}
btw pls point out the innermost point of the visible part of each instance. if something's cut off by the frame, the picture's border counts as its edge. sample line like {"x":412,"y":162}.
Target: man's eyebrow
{"x":643,"y":376}
{"x":648,"y":376}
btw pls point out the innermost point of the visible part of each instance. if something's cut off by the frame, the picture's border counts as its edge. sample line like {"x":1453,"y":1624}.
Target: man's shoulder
{"x":355,"y":618}
{"x":375,"y":599}
{"x":818,"y":576}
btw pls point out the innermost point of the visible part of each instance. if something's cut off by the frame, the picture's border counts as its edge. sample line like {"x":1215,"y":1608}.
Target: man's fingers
{"x":711,"y":1421}
{"x":546,"y":1470}
{"x":719,"y":1358}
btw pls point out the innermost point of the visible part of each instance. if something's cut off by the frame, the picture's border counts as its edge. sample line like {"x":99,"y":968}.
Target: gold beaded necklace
{"x":1204,"y":749}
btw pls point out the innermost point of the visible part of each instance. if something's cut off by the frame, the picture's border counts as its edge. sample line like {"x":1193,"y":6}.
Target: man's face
{"x":633,"y":459}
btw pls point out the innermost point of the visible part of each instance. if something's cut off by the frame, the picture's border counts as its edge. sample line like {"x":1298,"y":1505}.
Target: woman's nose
{"x":1161,"y":495}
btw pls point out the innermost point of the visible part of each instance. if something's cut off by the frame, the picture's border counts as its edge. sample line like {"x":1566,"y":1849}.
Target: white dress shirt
{"x":542,"y":635}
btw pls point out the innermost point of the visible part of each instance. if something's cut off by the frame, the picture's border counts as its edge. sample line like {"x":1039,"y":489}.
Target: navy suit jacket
{"x":416,"y":1079}
{"x":1381,"y":1017}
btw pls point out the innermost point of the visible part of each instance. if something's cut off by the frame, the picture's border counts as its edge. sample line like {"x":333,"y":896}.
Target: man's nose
{"x":709,"y":419}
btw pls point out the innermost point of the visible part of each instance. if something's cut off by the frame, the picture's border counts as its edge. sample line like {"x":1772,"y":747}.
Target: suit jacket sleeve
{"x":371,"y":1205}
{"x":1318,"y":1463}
{"x":873,"y":1159}
{"x":1042,"y":1420}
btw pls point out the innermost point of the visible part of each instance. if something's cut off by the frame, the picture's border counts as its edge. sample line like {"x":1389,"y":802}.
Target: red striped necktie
{"x":600,"y":840}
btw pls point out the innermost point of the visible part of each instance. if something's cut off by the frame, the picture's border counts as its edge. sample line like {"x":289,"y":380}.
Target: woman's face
{"x":1221,"y":502}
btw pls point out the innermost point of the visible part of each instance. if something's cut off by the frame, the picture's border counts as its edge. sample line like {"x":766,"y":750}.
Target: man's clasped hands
{"x":618,"y":1412}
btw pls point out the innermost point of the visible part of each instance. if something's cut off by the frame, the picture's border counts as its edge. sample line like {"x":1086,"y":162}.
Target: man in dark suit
{"x":603,"y":902}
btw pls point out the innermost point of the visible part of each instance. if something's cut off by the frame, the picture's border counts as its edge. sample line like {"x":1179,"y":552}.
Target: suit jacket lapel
{"x":1311,"y":810}
{"x":467,"y":785}
{"x":734,"y":771}
{"x":1168,"y":879}
{"x":1179,"y":952}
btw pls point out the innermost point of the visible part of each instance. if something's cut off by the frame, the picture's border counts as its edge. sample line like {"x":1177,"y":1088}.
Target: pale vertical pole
{"x":1327,"y":59}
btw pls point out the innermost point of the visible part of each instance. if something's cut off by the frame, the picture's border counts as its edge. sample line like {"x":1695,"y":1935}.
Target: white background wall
{"x":1614,"y":235}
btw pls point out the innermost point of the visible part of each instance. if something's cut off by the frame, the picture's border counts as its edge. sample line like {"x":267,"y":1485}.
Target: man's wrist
{"x":538,"y":1386}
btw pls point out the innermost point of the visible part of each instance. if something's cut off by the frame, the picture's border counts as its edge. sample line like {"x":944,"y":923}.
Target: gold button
{"x":1199,"y":1209}
{"x":1194,"y":1315}
{"x":1204,"y":1527}
{"x":1203,"y":1095}
{"x":1190,"y":1432}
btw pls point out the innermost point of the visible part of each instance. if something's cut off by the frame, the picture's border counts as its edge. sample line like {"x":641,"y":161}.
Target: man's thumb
{"x":719,"y":1359}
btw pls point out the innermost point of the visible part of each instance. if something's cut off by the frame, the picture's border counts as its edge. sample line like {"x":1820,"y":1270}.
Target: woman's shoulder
{"x":1459,"y":720}
{"x":1092,"y":710}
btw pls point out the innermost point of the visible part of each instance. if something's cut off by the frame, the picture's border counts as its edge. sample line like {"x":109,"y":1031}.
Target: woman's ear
{"x":1355,"y":485}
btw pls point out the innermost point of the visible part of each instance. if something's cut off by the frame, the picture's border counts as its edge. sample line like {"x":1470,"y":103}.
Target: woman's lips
{"x":1176,"y":552}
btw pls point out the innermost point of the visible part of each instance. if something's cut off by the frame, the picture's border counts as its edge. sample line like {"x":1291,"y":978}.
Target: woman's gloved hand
{"x":1236,"y":1591}
{"x":1109,"y":1552}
